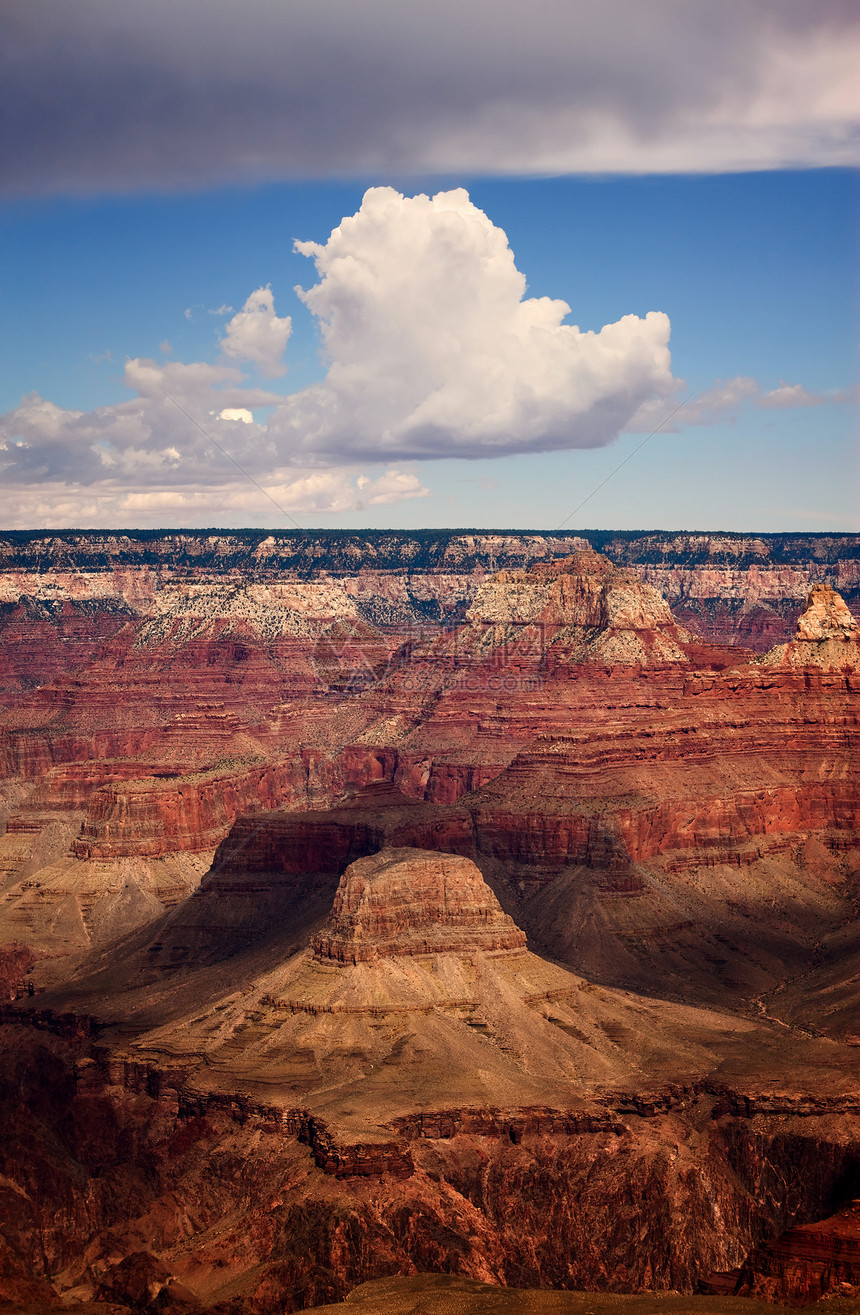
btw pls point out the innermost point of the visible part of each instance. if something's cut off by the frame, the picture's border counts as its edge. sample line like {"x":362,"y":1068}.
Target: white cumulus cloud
{"x":256,"y":334}
{"x":185,"y":449}
{"x":435,"y":350}
{"x":237,"y":413}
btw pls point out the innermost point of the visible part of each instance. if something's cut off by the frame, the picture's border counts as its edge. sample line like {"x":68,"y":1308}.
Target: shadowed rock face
{"x":243,"y":1206}
{"x":15,"y":962}
{"x":407,"y":901}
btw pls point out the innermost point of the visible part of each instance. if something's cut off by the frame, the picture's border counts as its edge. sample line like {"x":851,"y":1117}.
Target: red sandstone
{"x":409,"y":901}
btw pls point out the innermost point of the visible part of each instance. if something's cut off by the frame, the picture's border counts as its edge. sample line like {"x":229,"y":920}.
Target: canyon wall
{"x":253,"y":1208}
{"x":732,"y":588}
{"x":603,"y":1032}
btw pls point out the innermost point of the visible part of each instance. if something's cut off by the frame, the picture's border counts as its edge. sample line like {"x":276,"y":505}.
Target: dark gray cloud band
{"x":100,"y":96}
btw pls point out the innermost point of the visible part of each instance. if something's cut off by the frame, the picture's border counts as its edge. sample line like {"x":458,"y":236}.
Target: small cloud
{"x":256,"y":334}
{"x":219,"y":310}
{"x":100,"y":360}
{"x":787,"y":395}
{"x":237,"y":413}
{"x":177,"y":378}
{"x":189,"y":312}
{"x":790,"y":395}
{"x":165,"y":348}
{"x":393,"y":486}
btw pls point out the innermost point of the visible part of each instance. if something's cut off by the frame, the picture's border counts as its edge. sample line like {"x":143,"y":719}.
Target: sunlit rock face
{"x":827,"y":635}
{"x":585,"y":608}
{"x":406,"y":901}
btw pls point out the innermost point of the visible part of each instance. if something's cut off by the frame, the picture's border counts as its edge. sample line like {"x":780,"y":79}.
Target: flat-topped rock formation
{"x":321,"y":1013}
{"x":275,"y":870}
{"x":617,"y":774}
{"x":409,"y":901}
{"x":604,"y":779}
{"x":503,"y":1107}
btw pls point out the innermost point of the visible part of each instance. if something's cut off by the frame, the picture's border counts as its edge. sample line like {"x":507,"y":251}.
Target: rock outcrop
{"x":809,"y":1261}
{"x":409,"y":901}
{"x":827,"y":636}
{"x":582,"y":606}
{"x":16,"y":960}
{"x":151,"y":816}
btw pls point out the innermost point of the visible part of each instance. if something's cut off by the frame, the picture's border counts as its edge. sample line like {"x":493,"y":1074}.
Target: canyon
{"x":477,"y":904}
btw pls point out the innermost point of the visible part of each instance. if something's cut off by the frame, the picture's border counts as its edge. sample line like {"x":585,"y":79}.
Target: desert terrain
{"x":476,"y":909}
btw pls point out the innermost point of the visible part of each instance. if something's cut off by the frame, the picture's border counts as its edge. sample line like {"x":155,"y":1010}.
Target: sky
{"x":362,"y":265}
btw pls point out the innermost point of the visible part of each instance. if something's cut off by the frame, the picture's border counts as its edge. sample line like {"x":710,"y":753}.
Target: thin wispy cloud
{"x":789,"y":395}
{"x":305,"y":493}
{"x":99,"y":96}
{"x":726,"y":398}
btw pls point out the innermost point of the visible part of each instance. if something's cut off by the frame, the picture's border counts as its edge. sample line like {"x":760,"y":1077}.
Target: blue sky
{"x":756,"y":271}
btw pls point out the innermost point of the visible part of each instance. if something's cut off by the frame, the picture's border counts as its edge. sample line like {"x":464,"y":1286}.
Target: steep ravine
{"x":244,"y":1205}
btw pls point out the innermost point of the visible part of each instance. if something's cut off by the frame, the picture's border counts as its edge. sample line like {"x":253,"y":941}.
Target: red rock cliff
{"x":407,"y":901}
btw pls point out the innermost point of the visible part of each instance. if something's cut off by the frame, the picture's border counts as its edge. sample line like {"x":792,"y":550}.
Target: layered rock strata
{"x":807,"y":1262}
{"x":613,"y":1186}
{"x":401,"y":1081}
{"x":409,"y":901}
{"x":581,"y":606}
{"x":827,"y":636}
{"x":733,"y":588}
